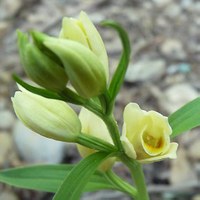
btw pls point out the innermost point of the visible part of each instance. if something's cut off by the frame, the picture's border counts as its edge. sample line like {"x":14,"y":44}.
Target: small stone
{"x":179,"y":68}
{"x":6,"y":149}
{"x":2,"y":103}
{"x":193,"y":151}
{"x":111,"y":195}
{"x":4,"y":26}
{"x":162,"y":3}
{"x":34,"y":148}
{"x":196,"y":197}
{"x":9,"y":8}
{"x":186,"y":3}
{"x":145,"y":70}
{"x":176,"y":96}
{"x":8,"y":195}
{"x":173,"y":10}
{"x":182,"y":170}
{"x":173,"y":49}
{"x":6,"y":119}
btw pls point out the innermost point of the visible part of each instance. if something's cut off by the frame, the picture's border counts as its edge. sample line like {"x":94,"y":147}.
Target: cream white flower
{"x":48,"y":117}
{"x":94,"y":126}
{"x":146,"y":135}
{"x":82,"y":30}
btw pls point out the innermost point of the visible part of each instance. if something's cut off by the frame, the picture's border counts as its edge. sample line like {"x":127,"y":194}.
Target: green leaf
{"x":35,"y":90}
{"x":186,"y":118}
{"x":120,"y":72}
{"x":48,"y":178}
{"x":76,"y":180}
{"x":66,"y":95}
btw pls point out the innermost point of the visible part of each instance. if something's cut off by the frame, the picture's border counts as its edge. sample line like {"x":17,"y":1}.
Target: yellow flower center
{"x":152,"y":143}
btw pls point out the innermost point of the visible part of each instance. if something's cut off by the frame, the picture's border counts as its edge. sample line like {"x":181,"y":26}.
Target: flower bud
{"x":94,"y":126}
{"x":39,"y":67}
{"x":146,"y":135}
{"x":82,"y":30}
{"x":82,"y":66}
{"x":48,"y":117}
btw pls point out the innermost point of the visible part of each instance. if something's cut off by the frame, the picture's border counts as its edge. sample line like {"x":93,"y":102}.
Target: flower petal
{"x":93,"y":125}
{"x":128,"y":147}
{"x":94,"y":39}
{"x":71,"y":30}
{"x":171,"y":153}
{"x":132,"y":115}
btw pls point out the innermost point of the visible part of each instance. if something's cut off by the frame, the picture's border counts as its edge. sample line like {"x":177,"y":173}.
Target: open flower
{"x":48,"y":117}
{"x":146,"y":135}
{"x":94,"y":126}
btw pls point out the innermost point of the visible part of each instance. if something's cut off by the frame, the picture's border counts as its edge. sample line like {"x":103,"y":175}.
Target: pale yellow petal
{"x":128,"y":147}
{"x":71,"y":30}
{"x":94,"y":39}
{"x":132,"y":117}
{"x":93,"y":125}
{"x":171,"y":153}
{"x":156,"y":136}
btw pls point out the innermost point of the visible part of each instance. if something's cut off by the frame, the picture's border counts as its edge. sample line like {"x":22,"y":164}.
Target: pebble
{"x":181,"y":169}
{"x":179,"y":68}
{"x":2,"y":103}
{"x":162,"y":3}
{"x":111,"y":195}
{"x":145,"y":70}
{"x":6,"y":149}
{"x":172,"y":10}
{"x":193,"y":150}
{"x":8,"y":195}
{"x":4,"y":26}
{"x":196,"y":197}
{"x":8,"y":8}
{"x":6,"y":119}
{"x":176,"y":96}
{"x":186,"y":3}
{"x":34,"y":148}
{"x":173,"y":49}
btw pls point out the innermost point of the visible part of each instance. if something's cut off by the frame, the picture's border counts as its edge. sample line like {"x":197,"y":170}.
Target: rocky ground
{"x":163,"y":75}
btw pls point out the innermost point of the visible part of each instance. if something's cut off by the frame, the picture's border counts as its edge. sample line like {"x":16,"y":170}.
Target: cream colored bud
{"x":82,"y":30}
{"x":146,"y":135}
{"x":48,"y":117}
{"x":94,"y":126}
{"x":82,"y":66}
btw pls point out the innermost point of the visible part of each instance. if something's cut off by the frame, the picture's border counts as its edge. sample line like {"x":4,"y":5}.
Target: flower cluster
{"x":78,"y":57}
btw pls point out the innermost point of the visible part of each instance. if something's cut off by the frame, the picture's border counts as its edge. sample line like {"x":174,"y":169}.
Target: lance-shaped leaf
{"x":185,"y":118}
{"x":120,"y":72}
{"x":76,"y":180}
{"x":48,"y":178}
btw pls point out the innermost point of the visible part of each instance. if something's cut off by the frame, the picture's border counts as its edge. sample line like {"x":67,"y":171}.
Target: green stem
{"x":95,"y":143}
{"x":120,"y":183}
{"x":113,"y":130}
{"x":137,"y":175}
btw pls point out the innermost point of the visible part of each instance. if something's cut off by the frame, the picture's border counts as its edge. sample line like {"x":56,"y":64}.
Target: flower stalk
{"x":137,"y":176}
{"x":95,"y":143}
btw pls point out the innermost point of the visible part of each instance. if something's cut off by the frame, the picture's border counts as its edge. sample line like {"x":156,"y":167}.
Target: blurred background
{"x":163,"y":75}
